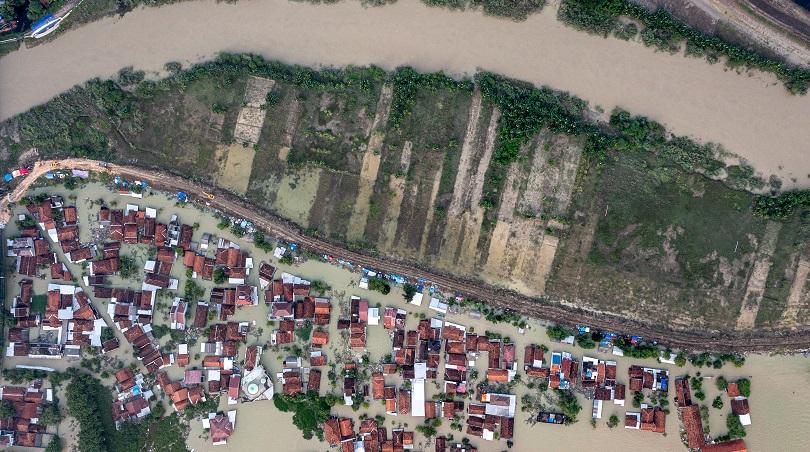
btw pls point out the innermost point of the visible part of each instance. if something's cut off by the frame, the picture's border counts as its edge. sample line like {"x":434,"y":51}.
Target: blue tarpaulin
{"x":181,"y":196}
{"x":8,"y":177}
{"x":42,"y":23}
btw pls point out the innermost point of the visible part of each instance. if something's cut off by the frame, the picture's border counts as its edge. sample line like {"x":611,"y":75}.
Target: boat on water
{"x":45,"y":26}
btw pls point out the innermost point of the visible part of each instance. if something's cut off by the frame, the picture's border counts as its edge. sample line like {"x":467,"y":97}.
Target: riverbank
{"x":765,"y":126}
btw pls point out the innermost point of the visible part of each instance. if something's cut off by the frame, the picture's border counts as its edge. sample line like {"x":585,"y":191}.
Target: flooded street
{"x":778,"y":402}
{"x":750,"y":114}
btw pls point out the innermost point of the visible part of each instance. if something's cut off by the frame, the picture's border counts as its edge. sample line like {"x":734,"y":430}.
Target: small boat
{"x":45,"y":26}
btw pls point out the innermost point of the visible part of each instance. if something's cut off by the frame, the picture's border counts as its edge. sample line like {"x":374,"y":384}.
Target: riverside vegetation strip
{"x":693,"y":253}
{"x":619,"y":18}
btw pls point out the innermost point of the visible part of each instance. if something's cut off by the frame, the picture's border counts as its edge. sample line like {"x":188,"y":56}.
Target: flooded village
{"x":181,"y":311}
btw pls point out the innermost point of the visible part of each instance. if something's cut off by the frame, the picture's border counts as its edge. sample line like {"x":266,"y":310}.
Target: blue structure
{"x":181,"y":196}
{"x":45,"y":25}
{"x":8,"y":177}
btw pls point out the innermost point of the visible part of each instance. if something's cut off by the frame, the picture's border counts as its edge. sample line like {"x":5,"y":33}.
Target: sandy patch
{"x":396,"y":185}
{"x":500,"y":236}
{"x":234,"y":171}
{"x":794,"y":301}
{"x":251,"y":117}
{"x":466,"y":159}
{"x":437,"y":178}
{"x":552,"y":177}
{"x":290,"y":125}
{"x":296,"y":194}
{"x":371,"y":166}
{"x":754,"y":290}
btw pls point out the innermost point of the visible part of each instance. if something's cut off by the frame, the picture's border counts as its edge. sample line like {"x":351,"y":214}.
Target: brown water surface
{"x":750,"y":114}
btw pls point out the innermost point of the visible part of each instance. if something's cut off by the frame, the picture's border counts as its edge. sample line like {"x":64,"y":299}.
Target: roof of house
{"x":693,"y":426}
{"x":733,"y":390}
{"x":221,"y":428}
{"x":739,"y":406}
{"x":736,"y":445}
{"x":331,"y":431}
{"x":498,"y":375}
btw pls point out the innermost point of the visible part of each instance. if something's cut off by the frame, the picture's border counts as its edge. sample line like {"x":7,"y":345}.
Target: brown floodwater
{"x":778,"y":403}
{"x":750,"y":114}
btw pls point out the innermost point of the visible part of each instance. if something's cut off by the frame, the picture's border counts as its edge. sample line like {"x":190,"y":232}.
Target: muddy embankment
{"x":749,"y":114}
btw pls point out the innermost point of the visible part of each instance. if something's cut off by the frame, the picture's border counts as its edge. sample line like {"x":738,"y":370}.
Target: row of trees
{"x":666,"y":33}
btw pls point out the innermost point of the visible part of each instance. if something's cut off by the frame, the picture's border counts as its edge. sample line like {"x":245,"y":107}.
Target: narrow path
{"x":496,"y":297}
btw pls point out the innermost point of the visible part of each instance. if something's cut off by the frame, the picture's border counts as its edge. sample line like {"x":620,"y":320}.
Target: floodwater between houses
{"x":778,"y":402}
{"x":750,"y":114}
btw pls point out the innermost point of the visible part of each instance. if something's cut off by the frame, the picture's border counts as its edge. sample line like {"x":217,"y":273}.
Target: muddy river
{"x":750,"y":114}
{"x":778,"y":402}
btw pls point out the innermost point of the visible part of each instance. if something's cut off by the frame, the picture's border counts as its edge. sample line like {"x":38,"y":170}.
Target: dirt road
{"x":549,"y":310}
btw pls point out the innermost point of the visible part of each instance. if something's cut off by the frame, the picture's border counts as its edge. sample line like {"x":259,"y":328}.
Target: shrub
{"x":379,"y":285}
{"x":558,"y":332}
{"x":735,"y":427}
{"x":408,"y":291}
{"x":744,"y":385}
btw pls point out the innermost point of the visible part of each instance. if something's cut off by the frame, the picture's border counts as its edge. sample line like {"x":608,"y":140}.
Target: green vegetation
{"x":716,"y":360}
{"x":569,"y":405}
{"x":587,"y":340}
{"x":513,"y":9}
{"x":379,"y":285}
{"x":54,"y":445}
{"x":638,"y":397}
{"x":407,"y":82}
{"x":304,"y":331}
{"x":697,"y":387}
{"x":38,"y":303}
{"x":286,"y":259}
{"x":639,"y":350}
{"x":261,"y":242}
{"x":613,"y":421}
{"x":7,"y":410}
{"x":428,"y":429}
{"x":192,"y":291}
{"x":664,"y":32}
{"x":558,"y":332}
{"x":311,"y":411}
{"x":718,"y":403}
{"x":721,"y":383}
{"x":735,"y":427}
{"x":127,"y":267}
{"x":219,"y":276}
{"x":744,"y":385}
{"x":408,"y":291}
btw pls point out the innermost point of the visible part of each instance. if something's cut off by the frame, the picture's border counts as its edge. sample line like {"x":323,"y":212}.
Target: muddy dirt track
{"x":548,"y":310}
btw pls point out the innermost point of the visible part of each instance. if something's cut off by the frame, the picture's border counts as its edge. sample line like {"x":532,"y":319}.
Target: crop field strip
{"x":492,"y":181}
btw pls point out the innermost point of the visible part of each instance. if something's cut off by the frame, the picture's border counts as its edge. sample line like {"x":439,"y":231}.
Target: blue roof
{"x":42,"y":22}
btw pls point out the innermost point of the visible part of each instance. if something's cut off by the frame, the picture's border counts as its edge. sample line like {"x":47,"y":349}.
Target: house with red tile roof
{"x":736,"y":445}
{"x":692,"y":426}
{"x":221,"y":426}
{"x":320,"y":338}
